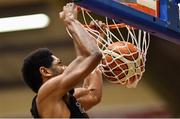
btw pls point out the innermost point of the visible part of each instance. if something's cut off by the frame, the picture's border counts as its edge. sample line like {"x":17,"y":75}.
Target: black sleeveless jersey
{"x":76,"y":110}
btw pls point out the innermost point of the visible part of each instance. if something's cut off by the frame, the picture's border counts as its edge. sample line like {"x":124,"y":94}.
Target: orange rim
{"x":113,"y":26}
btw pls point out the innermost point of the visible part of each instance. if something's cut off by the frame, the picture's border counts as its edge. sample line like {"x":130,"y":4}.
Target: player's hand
{"x":69,"y":12}
{"x":99,"y":26}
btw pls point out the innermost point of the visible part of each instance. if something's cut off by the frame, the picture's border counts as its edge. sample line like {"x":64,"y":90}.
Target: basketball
{"x":122,"y":63}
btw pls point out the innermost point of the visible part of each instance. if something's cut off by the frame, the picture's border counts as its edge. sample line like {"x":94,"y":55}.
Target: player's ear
{"x":45,"y":71}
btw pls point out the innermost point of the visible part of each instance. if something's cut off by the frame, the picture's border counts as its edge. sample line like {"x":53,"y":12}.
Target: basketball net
{"x":115,"y":32}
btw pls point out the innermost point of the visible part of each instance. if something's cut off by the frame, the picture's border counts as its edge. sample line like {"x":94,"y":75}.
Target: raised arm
{"x":88,"y":56}
{"x":86,"y":61}
{"x":90,"y":93}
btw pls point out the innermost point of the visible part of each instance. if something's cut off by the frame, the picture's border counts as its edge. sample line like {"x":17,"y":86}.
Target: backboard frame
{"x":165,"y":26}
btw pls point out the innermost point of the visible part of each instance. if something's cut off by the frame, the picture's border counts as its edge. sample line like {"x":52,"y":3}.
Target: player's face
{"x":57,"y":66}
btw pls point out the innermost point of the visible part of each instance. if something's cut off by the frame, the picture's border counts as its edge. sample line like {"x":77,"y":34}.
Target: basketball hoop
{"x":118,"y":32}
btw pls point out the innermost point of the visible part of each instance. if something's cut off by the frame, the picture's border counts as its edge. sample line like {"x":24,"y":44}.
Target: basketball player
{"x":54,"y":82}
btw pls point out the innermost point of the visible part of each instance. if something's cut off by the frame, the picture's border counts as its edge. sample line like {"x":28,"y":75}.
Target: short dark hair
{"x":31,"y":65}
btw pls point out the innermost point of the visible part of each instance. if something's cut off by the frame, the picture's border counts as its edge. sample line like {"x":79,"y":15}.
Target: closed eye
{"x":59,"y":62}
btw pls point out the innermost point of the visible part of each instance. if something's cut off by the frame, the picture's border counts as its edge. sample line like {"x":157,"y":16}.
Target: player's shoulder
{"x":51,"y":88}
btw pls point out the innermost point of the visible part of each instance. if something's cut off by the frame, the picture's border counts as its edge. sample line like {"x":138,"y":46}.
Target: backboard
{"x":162,"y":22}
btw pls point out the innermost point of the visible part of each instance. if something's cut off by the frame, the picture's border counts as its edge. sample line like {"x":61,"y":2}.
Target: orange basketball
{"x":122,"y":63}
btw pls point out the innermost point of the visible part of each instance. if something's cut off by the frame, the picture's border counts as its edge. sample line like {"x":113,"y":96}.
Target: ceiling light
{"x":27,"y":22}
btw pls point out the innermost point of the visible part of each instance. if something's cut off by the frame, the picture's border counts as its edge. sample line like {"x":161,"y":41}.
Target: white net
{"x":124,"y":49}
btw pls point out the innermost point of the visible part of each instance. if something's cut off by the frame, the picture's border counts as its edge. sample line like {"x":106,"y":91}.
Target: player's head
{"x":39,"y":66}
